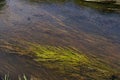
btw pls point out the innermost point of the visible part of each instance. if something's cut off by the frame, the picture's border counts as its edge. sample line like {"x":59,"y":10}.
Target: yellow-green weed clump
{"x":59,"y":54}
{"x":69,"y":61}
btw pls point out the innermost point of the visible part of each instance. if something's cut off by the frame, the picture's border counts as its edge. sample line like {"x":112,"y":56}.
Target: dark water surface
{"x":57,"y":23}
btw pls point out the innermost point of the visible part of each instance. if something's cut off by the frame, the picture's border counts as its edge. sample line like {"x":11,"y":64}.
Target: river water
{"x":63,"y":22}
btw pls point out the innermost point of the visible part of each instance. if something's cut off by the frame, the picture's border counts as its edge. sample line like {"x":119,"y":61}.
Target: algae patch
{"x":58,"y":54}
{"x":70,"y":62}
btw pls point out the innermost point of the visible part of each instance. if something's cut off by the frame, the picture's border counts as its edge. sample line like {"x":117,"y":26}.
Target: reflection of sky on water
{"x":18,"y":12}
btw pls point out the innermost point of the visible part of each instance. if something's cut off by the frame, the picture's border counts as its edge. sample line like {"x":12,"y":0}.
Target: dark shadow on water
{"x":2,"y":4}
{"x":103,"y":7}
{"x":100,"y":6}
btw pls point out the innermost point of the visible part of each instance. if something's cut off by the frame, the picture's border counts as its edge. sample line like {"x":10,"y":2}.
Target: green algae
{"x":70,"y":62}
{"x":49,"y":53}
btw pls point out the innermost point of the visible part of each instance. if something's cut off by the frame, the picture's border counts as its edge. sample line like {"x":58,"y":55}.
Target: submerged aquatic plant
{"x":7,"y":77}
{"x":23,"y":77}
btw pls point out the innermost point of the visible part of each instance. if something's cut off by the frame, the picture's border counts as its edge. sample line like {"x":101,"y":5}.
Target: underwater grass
{"x":69,"y":62}
{"x":66,"y":61}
